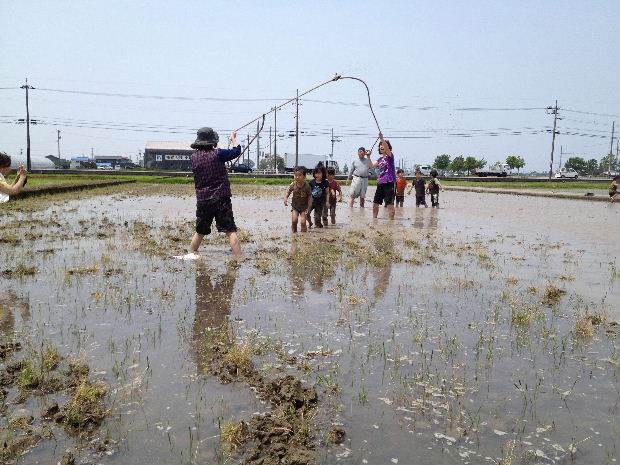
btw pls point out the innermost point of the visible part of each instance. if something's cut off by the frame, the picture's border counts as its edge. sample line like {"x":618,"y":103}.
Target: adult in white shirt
{"x":7,"y":189}
{"x":358,"y":177}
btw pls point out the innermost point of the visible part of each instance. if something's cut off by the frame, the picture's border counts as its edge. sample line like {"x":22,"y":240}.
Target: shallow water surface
{"x":430,"y":339}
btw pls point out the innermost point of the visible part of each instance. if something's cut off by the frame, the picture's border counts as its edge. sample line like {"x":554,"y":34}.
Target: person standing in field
{"x":302,"y":199}
{"x":614,"y":190}
{"x":433,"y":188}
{"x":213,"y":194}
{"x":386,"y":178}
{"x":358,"y":177}
{"x":335,"y":195}
{"x":401,"y":185}
{"x":319,"y":188}
{"x":420,"y":189}
{"x":16,"y":187}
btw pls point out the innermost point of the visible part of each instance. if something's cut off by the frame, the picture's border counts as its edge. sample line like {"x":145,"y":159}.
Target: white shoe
{"x":188,"y":256}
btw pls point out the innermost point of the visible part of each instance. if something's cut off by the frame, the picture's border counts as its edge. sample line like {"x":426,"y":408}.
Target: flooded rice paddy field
{"x":483,"y":332}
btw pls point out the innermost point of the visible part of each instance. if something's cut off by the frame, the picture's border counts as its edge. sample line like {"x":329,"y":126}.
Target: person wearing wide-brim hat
{"x":213,"y":195}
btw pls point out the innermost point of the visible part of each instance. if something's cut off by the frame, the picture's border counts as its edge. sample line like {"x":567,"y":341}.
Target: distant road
{"x":287,"y":175}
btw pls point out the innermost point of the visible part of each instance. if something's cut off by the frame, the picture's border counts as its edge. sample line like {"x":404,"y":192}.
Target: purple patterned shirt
{"x":387,"y":172}
{"x":210,"y":173}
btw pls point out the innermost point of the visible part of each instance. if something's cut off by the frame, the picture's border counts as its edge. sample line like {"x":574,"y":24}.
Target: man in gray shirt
{"x":358,"y":177}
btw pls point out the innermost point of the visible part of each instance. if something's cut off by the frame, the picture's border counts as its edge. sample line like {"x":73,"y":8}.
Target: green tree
{"x":592,"y":167}
{"x":473,"y":163}
{"x":515,"y":161}
{"x":442,"y":162}
{"x":604,"y":165}
{"x":345,"y":169}
{"x":577,"y":164}
{"x":267,"y":163}
{"x":457,"y":164}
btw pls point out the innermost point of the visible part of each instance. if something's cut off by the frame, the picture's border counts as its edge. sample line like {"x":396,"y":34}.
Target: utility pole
{"x":611,"y":146}
{"x":28,"y":163}
{"x":297,"y":129}
{"x":248,"y":150}
{"x":257,"y":143}
{"x":58,"y":141}
{"x":554,"y":112}
{"x":92,"y":153}
{"x":561,"y":153}
{"x":275,"y":139}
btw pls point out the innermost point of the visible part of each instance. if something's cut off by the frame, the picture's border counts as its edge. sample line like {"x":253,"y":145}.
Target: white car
{"x":424,"y":169}
{"x":567,"y":174}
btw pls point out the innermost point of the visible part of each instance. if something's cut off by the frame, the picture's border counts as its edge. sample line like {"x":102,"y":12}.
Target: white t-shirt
{"x":3,"y":197}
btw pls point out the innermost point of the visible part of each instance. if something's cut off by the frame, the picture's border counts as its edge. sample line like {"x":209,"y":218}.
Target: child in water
{"x":433,"y":188}
{"x":401,"y":185}
{"x":319,"y":188}
{"x":420,"y":189}
{"x":614,"y":189}
{"x":302,"y":199}
{"x":334,"y":190}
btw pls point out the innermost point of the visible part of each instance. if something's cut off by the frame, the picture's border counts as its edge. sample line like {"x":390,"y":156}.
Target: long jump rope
{"x":261,"y":118}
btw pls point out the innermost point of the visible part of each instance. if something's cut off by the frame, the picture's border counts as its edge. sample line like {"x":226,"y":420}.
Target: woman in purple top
{"x":386,"y":178}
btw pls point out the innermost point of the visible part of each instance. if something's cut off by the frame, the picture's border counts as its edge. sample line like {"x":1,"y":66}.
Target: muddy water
{"x":445,"y":352}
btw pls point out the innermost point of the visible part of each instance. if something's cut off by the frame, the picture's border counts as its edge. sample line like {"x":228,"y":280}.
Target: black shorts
{"x":384,"y":193}
{"x":420,"y":200}
{"x":400,"y":198}
{"x":218,"y":209}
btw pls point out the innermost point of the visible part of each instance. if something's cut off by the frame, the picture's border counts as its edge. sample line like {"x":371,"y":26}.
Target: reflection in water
{"x":418,"y":220}
{"x":9,"y":302}
{"x":212,"y":304}
{"x":308,"y":264}
{"x":384,"y":245}
{"x":433,"y":219}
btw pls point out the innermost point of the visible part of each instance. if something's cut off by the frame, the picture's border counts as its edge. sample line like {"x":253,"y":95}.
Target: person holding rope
{"x":213,"y":189}
{"x":16,"y":187}
{"x":385,"y":179}
{"x":358,"y":177}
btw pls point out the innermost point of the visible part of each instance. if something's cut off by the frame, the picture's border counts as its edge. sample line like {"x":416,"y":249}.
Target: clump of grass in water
{"x":585,"y":325}
{"x":553,"y":294}
{"x":239,"y":355}
{"x":232,"y":435}
{"x":9,"y":238}
{"x":51,"y":358}
{"x":28,"y":377}
{"x":86,"y":406}
{"x":79,"y":271}
{"x":584,"y":328}
{"x":20,"y":270}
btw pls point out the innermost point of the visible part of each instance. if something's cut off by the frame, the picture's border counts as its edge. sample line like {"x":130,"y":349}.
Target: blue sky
{"x":443,"y":75}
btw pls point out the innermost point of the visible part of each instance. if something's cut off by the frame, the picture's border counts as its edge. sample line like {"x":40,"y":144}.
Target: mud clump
{"x":283,"y":435}
{"x":46,"y":373}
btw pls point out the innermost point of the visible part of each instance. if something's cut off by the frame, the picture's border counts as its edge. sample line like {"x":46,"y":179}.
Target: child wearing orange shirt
{"x":401,"y":185}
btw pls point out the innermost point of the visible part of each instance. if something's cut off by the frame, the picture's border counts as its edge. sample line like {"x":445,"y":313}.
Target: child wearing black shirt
{"x":319,"y":188}
{"x":420,"y":189}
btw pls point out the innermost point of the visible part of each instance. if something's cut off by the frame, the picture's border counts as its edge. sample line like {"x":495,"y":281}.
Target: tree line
{"x":592,"y":167}
{"x":459,"y":164}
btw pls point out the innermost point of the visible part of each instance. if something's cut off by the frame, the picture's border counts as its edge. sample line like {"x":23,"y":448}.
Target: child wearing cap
{"x":213,"y":194}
